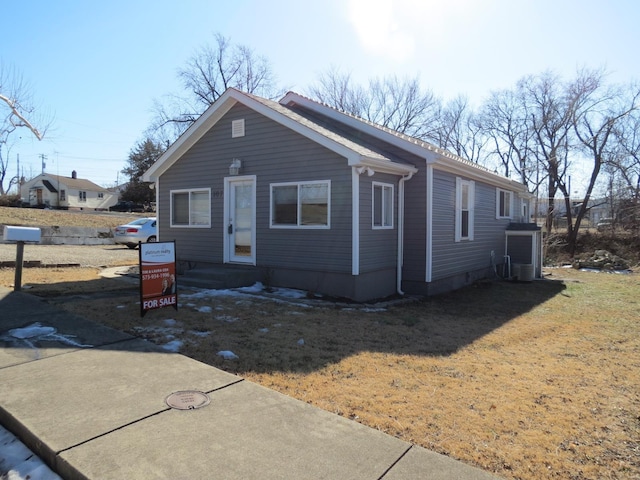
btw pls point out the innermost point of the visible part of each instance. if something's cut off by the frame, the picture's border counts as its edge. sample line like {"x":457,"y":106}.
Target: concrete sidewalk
{"x":90,"y":401}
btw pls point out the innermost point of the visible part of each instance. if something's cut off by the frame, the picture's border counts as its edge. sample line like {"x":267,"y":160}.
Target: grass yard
{"x":528,"y":381}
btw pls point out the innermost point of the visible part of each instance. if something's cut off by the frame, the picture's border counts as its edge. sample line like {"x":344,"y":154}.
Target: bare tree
{"x":600,"y":112}
{"x":505,"y":120}
{"x":627,"y":165}
{"x":18,"y":112}
{"x":549,"y":113}
{"x":398,"y":104}
{"x":211,"y":70}
{"x":460,"y":131}
{"x":338,"y":90}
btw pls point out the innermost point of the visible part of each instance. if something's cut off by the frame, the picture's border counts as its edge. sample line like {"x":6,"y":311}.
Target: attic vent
{"x":237,"y":128}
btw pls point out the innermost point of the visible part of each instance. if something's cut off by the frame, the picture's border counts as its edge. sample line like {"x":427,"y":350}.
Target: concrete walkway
{"x":91,"y":402}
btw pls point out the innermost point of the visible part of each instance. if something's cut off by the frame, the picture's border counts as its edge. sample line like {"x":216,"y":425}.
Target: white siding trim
{"x":355,"y":222}
{"x":429,"y":224}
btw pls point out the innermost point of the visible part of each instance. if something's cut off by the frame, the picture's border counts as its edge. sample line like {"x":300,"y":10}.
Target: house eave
{"x":383,"y":166}
{"x":210,"y":117}
{"x":456,"y":167}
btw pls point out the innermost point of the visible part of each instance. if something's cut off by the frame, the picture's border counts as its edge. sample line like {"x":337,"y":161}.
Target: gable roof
{"x":358,"y":153}
{"x":50,"y":187}
{"x":432,"y":154}
{"x":54,"y":181}
{"x":355,"y":153}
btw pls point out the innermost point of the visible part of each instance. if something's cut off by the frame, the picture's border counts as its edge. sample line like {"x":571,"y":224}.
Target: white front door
{"x":240,"y":219}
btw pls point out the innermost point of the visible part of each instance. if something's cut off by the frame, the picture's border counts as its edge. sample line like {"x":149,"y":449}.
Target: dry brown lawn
{"x":528,"y":381}
{"x":34,"y":217}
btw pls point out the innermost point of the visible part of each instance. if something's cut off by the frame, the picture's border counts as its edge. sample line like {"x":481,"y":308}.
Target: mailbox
{"x":21,"y":234}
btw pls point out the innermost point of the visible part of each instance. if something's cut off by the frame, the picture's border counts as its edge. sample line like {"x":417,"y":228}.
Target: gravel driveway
{"x":84,"y":255}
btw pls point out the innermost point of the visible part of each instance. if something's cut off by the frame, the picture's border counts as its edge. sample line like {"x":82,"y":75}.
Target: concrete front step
{"x":220,"y":276}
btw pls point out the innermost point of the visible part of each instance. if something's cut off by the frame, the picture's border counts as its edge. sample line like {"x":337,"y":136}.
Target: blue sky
{"x":97,"y":67}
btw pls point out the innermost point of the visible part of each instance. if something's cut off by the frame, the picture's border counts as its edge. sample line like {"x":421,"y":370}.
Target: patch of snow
{"x":169,"y":322}
{"x":173,"y":346}
{"x":255,"y":288}
{"x":227,"y":318}
{"x":121,"y":306}
{"x":19,"y":463}
{"x":36,"y":331}
{"x":263,"y":330}
{"x":301,"y":342}
{"x":33,"y":330}
{"x":204,"y":309}
{"x":227,"y":355}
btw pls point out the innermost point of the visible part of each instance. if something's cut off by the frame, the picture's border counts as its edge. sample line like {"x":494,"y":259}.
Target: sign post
{"x":20,"y":235}
{"x":158,"y":283}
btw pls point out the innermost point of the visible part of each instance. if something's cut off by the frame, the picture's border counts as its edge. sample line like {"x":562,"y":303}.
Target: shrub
{"x":10,"y":200}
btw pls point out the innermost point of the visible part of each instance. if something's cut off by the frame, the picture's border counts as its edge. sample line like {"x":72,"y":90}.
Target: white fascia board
{"x":303,"y":130}
{"x":458,"y":168}
{"x":219,"y":109}
{"x":383,"y":166}
{"x":194,"y":133}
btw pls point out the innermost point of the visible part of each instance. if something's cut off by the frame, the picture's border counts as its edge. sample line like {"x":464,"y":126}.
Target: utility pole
{"x":43,"y":157}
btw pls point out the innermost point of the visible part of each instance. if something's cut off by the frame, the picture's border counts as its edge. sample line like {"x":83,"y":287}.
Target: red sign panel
{"x":158,"y":285}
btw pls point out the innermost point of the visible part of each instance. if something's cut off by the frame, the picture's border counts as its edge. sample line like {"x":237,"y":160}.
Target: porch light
{"x":369,"y":171}
{"x":234,"y":168}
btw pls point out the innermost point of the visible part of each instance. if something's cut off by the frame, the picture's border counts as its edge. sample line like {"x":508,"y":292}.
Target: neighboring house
{"x":55,"y":191}
{"x":323,"y":201}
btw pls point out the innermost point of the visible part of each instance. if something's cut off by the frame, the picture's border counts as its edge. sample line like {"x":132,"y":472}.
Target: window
{"x":304,"y":204}
{"x":191,"y":208}
{"x":82,"y":196}
{"x":63,"y":195}
{"x":465,"y":199}
{"x":382,"y":205}
{"x":100,"y":195}
{"x":503,"y":203}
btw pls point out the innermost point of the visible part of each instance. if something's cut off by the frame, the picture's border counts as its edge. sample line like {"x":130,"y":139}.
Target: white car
{"x":140,"y":230}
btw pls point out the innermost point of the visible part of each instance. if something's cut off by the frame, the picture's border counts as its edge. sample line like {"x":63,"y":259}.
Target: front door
{"x":240,"y":219}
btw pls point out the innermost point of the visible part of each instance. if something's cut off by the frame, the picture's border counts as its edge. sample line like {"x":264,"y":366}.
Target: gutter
{"x":400,"y":260}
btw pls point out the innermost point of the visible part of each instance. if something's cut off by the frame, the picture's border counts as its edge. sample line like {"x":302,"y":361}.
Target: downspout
{"x":401,"y":232}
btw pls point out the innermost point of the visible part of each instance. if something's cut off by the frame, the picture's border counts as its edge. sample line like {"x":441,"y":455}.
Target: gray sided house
{"x":322,"y":201}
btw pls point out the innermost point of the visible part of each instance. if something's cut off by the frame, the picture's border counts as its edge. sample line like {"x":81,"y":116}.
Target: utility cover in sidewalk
{"x":187,"y":400}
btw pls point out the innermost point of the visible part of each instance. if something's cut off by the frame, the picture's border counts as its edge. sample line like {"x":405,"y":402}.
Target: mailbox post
{"x":20,"y":235}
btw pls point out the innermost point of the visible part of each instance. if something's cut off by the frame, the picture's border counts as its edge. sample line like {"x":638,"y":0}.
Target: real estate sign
{"x":158,"y":287}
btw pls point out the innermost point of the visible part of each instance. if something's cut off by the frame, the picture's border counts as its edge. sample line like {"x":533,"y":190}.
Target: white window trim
{"x":500,"y":214}
{"x":299,"y":226}
{"x":190,"y":190}
{"x":82,"y":196}
{"x":458,"y":212}
{"x":383,"y":186}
